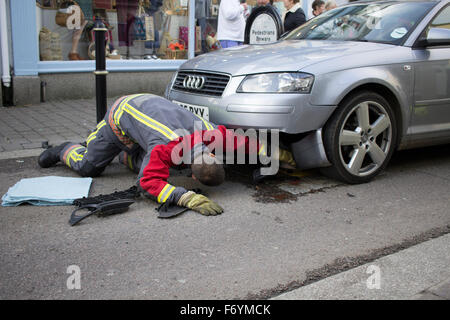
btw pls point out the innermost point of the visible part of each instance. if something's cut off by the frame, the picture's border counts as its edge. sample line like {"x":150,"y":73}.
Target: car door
{"x":431,"y":114}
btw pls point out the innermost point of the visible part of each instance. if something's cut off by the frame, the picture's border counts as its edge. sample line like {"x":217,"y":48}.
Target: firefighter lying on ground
{"x":143,"y":130}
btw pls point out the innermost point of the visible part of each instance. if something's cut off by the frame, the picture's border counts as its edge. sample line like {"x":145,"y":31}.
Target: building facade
{"x":48,"y":49}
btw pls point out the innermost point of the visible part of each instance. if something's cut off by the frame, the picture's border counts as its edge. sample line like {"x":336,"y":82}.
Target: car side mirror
{"x":435,"y":37}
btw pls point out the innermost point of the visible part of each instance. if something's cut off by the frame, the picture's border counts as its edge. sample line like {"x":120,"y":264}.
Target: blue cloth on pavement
{"x":47,"y":191}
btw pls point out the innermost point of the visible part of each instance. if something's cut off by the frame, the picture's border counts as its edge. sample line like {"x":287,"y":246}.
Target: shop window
{"x":137,"y":29}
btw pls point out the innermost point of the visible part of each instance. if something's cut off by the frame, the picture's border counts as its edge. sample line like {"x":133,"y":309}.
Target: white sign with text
{"x":263,"y":30}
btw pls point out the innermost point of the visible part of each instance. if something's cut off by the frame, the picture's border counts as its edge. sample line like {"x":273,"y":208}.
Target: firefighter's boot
{"x":50,"y":157}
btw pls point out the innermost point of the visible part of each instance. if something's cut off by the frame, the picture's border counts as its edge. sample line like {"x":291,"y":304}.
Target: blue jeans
{"x":230,"y":43}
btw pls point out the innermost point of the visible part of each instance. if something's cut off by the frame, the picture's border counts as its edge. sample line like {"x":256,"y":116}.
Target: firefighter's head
{"x":208,"y":170}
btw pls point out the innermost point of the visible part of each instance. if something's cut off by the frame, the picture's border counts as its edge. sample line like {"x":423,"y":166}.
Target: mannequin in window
{"x":86,"y":8}
{"x":154,"y":44}
{"x":202,"y":8}
{"x":126,"y":13}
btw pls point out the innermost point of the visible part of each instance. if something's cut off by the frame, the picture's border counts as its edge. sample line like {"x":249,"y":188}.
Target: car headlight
{"x":289,"y":82}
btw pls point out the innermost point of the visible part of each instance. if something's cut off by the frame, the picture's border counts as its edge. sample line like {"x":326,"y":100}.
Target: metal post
{"x":100,"y":69}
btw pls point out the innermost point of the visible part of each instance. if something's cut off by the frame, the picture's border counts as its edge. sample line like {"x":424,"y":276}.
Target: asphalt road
{"x":285,"y":233}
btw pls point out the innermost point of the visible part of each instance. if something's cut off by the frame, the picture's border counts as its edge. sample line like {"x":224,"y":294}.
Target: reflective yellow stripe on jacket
{"x":207,"y":124}
{"x":262,"y":150}
{"x":165,"y":193}
{"x":124,"y":106}
{"x":118,"y":113}
{"x":146,"y":120}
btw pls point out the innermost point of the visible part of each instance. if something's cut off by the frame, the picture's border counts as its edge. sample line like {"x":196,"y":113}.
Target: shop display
{"x":103,"y":4}
{"x":49,"y":45}
{"x":110,"y":52}
{"x":141,"y":29}
{"x":65,"y":11}
{"x":45,"y":3}
{"x":184,"y":35}
{"x":213,"y":43}
{"x":176,"y":50}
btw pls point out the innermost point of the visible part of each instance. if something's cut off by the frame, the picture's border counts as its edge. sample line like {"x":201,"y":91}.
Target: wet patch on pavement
{"x":286,"y":186}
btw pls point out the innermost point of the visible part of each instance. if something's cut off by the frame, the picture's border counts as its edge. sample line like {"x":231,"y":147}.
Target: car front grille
{"x":213,"y":83}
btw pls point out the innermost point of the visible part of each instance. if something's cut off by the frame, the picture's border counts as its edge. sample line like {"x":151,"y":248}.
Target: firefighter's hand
{"x":286,"y":156}
{"x":199,"y":203}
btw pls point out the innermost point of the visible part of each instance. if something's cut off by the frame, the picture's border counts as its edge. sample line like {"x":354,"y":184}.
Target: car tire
{"x":360,"y":138}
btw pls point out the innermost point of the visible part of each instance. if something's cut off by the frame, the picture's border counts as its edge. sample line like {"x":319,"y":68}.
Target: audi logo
{"x":194,"y":82}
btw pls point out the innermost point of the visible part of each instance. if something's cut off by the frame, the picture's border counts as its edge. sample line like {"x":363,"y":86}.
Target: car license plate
{"x":198,"y":110}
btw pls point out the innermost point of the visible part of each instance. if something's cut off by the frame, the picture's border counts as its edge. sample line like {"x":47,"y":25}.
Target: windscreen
{"x":383,"y":22}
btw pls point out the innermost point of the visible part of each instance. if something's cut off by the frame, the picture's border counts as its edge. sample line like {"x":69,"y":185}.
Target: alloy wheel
{"x":365,"y":138}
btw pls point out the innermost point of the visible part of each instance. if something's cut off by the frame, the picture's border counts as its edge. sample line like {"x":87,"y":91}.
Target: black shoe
{"x":50,"y":157}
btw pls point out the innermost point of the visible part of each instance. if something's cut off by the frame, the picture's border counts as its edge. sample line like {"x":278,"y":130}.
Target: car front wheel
{"x":359,"y":138}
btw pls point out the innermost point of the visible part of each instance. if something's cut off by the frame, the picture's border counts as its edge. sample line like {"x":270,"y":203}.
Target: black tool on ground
{"x":102,"y":209}
{"x":104,"y":204}
{"x":130,"y":193}
{"x":167,"y":210}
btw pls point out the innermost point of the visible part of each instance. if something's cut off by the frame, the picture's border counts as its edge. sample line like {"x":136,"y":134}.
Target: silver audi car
{"x":346,"y":89}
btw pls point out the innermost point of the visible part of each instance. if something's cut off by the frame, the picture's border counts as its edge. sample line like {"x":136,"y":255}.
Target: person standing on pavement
{"x":231,"y":23}
{"x":294,"y":15}
{"x":144,"y":130}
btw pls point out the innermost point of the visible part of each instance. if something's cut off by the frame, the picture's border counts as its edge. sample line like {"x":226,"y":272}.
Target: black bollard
{"x":100,"y":69}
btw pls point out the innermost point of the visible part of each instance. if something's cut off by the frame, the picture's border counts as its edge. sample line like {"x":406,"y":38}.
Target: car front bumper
{"x":288,"y":112}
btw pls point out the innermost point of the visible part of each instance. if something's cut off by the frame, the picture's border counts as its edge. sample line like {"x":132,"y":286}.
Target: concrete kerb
{"x":5,"y":155}
{"x":419,"y":272}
